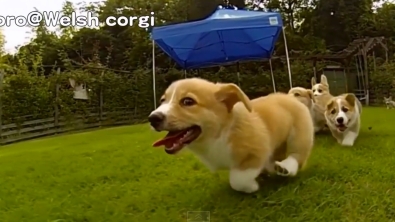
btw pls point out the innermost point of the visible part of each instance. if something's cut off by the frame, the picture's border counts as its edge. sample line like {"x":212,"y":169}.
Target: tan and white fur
{"x":322,"y":96}
{"x":389,"y":102}
{"x":305,"y":96}
{"x":272,"y":134}
{"x":343,"y":115}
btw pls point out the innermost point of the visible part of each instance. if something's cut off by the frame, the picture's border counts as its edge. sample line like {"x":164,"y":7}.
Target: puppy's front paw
{"x":347,"y":143}
{"x":287,"y":167}
{"x":246,"y":187}
{"x":349,"y":139}
{"x":244,"y":180}
{"x":253,"y":187}
{"x":280,"y":169}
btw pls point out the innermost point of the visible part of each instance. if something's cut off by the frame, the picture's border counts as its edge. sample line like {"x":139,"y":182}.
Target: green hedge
{"x":26,"y":94}
{"x":382,"y":82}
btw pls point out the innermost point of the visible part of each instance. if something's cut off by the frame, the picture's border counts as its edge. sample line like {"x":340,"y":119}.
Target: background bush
{"x":28,"y":94}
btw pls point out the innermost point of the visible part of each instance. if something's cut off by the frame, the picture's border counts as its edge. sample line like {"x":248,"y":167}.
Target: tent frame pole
{"x":153,"y":72}
{"x":271,"y":73}
{"x":238,"y":73}
{"x":287,"y":57}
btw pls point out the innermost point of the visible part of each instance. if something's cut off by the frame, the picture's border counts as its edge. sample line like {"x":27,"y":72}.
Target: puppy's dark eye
{"x":344,"y":109}
{"x":162,"y":100}
{"x":187,"y":101}
{"x":333,"y":111}
{"x":296,"y":94}
{"x":320,"y":91}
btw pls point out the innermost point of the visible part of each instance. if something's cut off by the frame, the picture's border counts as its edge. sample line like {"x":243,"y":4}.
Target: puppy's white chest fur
{"x":215,"y":154}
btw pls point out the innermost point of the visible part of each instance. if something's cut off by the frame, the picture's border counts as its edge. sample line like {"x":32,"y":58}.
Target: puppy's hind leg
{"x":299,"y":146}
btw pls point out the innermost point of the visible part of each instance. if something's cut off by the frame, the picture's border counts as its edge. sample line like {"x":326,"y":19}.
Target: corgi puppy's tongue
{"x":169,"y":139}
{"x":174,"y":141}
{"x":341,"y":127}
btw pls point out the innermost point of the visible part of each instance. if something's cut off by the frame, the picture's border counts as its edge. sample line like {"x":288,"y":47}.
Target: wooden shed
{"x":340,"y":79}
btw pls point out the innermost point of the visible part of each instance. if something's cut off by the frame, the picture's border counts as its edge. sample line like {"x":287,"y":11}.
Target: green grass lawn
{"x":114,"y":175}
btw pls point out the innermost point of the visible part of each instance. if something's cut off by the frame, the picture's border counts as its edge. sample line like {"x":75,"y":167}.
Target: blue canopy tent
{"x":227,"y":36}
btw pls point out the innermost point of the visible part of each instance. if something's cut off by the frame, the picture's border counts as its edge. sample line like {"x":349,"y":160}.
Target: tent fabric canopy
{"x":226,"y":36}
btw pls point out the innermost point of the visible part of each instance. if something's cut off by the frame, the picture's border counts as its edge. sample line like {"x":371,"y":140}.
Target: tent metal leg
{"x":238,"y":73}
{"x":185,"y":73}
{"x":153,"y":72}
{"x":287,"y":57}
{"x":271,"y":73}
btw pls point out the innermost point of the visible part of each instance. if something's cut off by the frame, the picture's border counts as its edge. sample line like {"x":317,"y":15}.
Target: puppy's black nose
{"x":340,"y":120}
{"x":156,"y":119}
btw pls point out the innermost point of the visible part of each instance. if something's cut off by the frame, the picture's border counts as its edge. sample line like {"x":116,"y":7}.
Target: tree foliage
{"x":117,"y":60}
{"x":2,"y":42}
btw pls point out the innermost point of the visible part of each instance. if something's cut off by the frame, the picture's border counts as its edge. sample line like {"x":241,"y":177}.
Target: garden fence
{"x":54,"y":121}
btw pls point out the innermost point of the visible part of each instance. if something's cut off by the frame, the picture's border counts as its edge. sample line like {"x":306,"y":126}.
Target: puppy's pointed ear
{"x":72,"y":83}
{"x":313,"y":82}
{"x":330,"y":104}
{"x":230,"y":94}
{"x":324,"y":80}
{"x":311,"y":95}
{"x":350,"y":98}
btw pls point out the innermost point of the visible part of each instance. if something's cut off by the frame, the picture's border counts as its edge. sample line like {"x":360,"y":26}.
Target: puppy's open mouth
{"x":341,"y":127}
{"x":174,"y":141}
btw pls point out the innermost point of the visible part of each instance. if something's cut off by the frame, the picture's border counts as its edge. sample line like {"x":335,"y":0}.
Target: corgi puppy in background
{"x":343,"y":115}
{"x":226,"y":130}
{"x":389,"y":103}
{"x":322,"y":96}
{"x":306,"y":97}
